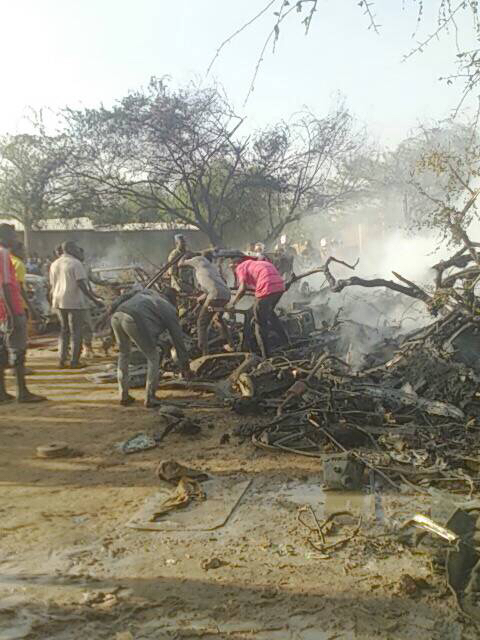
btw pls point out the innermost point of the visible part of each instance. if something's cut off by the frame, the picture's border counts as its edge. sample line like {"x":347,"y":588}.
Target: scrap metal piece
{"x":463,"y":561}
{"x":221,"y":388}
{"x":433,"y":407}
{"x":246,"y":386}
{"x":423,"y":522}
{"x":264,"y":382}
{"x":53,"y":450}
{"x":218,"y":365}
{"x":299,"y":323}
{"x":138,"y":442}
{"x":250,"y":363}
{"x":245,"y":406}
{"x":342,"y":471}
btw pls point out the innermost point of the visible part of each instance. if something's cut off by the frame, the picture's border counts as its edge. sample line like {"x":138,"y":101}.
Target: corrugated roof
{"x":85,"y":224}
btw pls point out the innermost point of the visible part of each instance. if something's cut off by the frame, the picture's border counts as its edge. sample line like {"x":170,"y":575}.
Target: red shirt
{"x":260,"y":275}
{"x":7,"y":276}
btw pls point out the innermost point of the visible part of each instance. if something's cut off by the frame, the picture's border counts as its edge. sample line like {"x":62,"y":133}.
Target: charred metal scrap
{"x":411,"y":418}
{"x":458,"y":528}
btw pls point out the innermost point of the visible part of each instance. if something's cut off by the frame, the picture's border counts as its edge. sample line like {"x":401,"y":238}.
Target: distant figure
{"x":180,"y":278}
{"x":269,"y":286}
{"x":13,"y":322}
{"x":216,"y":296}
{"x":68,"y":281}
{"x":33,"y":265}
{"x":140,"y":317}
{"x":87,"y":331}
{"x":50,"y":260}
{"x":283,"y":262}
{"x":256,"y":250}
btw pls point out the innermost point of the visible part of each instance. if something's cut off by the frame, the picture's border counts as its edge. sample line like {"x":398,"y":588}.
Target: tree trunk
{"x":27,"y":237}
{"x":214,"y":237}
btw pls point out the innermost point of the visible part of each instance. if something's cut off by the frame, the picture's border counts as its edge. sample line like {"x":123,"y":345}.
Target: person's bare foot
{"x":28,"y":397}
{"x":126,"y":402}
{"x":6,"y":397}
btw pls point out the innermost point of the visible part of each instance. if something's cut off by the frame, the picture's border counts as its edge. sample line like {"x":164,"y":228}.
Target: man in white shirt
{"x":68,"y":282}
{"x":216,"y":296}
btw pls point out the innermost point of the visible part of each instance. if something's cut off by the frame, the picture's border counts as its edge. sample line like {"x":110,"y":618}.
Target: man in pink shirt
{"x":13,"y":322}
{"x":262,"y":277}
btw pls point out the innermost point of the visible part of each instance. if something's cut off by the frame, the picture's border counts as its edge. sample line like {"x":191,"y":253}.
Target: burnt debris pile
{"x":412,"y":417}
{"x":408,"y":410}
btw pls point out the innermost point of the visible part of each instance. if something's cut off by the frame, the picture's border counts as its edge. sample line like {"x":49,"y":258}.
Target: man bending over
{"x":216,"y":296}
{"x":141,"y":317}
{"x":263,"y":278}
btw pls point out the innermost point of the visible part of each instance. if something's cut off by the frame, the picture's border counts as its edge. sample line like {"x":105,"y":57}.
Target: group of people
{"x":138,"y":316}
{"x":70,"y":291}
{"x":13,"y":320}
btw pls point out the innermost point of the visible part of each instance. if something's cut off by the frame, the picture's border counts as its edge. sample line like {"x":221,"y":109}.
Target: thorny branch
{"x":413,"y":291}
{"x":446,"y":18}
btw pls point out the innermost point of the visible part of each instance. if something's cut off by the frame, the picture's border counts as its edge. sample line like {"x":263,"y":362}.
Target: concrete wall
{"x":114,"y":248}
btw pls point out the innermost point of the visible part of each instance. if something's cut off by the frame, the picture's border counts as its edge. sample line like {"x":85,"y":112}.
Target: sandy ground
{"x":71,"y":568}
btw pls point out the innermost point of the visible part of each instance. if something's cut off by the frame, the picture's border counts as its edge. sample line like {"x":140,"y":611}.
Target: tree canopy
{"x":33,"y":183}
{"x":180,"y":156}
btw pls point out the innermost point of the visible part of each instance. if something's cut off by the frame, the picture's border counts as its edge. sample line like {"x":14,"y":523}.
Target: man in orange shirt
{"x":13,"y":322}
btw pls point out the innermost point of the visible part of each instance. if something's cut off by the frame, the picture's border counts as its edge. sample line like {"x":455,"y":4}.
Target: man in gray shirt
{"x":216,"y":295}
{"x":141,"y":316}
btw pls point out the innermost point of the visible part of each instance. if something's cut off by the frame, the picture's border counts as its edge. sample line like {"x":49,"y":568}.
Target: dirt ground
{"x":72,"y":569}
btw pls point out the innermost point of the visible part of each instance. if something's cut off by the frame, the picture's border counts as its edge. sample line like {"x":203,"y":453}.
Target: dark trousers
{"x":264,"y":316}
{"x":205,"y":317}
{"x":87,"y":331}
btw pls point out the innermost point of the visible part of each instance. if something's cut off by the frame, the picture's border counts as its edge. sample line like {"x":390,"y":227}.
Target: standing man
{"x":180,"y":278}
{"x":140,"y":317}
{"x":216,"y":296}
{"x":17,"y":255}
{"x":269,"y":286}
{"x":87,"y":331}
{"x":13,"y":322}
{"x":50,"y":260}
{"x":68,"y":282}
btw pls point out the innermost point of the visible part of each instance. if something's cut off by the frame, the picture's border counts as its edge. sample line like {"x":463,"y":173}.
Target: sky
{"x":85,"y":52}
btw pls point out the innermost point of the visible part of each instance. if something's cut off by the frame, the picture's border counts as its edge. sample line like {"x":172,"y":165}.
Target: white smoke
{"x":371,"y":315}
{"x":409,"y":256}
